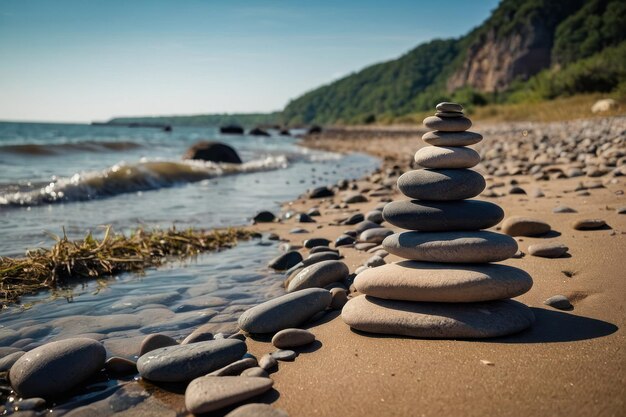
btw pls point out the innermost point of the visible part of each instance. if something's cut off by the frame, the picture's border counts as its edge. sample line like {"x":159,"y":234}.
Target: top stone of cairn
{"x":449,"y":107}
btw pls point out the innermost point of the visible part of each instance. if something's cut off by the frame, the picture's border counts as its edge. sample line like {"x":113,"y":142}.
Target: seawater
{"x":78,"y":178}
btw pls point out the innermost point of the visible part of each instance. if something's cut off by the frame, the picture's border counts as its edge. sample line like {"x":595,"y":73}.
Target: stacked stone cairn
{"x":448,"y":286}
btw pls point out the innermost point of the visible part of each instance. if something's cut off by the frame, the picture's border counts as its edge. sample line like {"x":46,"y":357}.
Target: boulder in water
{"x":257,"y":131}
{"x":232,"y":130}
{"x":213,"y":151}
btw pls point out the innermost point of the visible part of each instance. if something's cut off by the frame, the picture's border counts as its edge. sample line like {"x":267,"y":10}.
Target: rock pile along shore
{"x":448,"y":287}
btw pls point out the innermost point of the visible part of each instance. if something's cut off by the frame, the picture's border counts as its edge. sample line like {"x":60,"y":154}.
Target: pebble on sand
{"x":285,"y":261}
{"x":155,"y":341}
{"x":560,"y":302}
{"x":55,"y":368}
{"x":589,"y":224}
{"x":209,"y":393}
{"x":290,"y":338}
{"x":525,"y":226}
{"x":289,"y":310}
{"x":319,"y":275}
{"x":548,"y":250}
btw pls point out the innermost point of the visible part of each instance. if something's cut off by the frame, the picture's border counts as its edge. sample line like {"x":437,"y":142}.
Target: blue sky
{"x":83,"y":60}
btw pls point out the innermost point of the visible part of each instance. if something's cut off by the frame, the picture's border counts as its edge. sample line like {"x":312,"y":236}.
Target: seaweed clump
{"x":90,"y":258}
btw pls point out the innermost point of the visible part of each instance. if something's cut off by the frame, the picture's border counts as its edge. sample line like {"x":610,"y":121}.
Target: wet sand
{"x":571,"y":363}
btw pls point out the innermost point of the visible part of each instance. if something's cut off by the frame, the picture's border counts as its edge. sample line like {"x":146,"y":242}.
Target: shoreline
{"x":569,"y":363}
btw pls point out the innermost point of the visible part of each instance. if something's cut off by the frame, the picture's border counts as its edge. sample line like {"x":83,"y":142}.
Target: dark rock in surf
{"x":213,"y":151}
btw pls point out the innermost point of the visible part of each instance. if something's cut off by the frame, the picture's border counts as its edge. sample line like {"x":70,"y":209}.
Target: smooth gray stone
{"x":448,"y":124}
{"x":375,"y":216}
{"x":319,"y":249}
{"x":437,"y":320}
{"x":285,"y":261}
{"x":465,"y":138}
{"x":319,"y":275}
{"x":374,"y":262}
{"x":6,"y":362}
{"x":340,"y":298}
{"x":257,"y":410}
{"x":563,"y":209}
{"x":376,"y":235}
{"x":424,"y":281}
{"x":289,"y":310}
{"x":120,"y":366}
{"x":235,"y":368}
{"x":524,"y":226}
{"x":290,"y":338}
{"x":319,"y":257}
{"x":316,"y":241}
{"x":449,"y":106}
{"x":284,"y":355}
{"x":201,"y":334}
{"x":268,"y":362}
{"x":589,"y":224}
{"x":441,"y":184}
{"x":440,"y":216}
{"x":57,"y":367}
{"x":186,"y":362}
{"x":155,"y":341}
{"x":445,"y":157}
{"x":255,"y":371}
{"x":560,"y":302}
{"x":548,"y":250}
{"x":210,"y":393}
{"x":451,"y":247}
{"x":365,"y":225}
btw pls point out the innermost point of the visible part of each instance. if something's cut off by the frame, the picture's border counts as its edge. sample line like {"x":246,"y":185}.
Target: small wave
{"x":127,"y":178}
{"x":59,"y":148}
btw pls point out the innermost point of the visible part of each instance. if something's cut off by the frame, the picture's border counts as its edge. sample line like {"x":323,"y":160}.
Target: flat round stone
{"x":446,"y":157}
{"x":452,"y":138}
{"x":319,"y":275}
{"x":441,"y":184}
{"x":211,"y":393}
{"x":437,"y":320}
{"x":524,"y":226}
{"x":53,"y":369}
{"x":423,"y":281}
{"x":375,"y":235}
{"x":449,"y":106}
{"x":185,"y":362}
{"x":440,"y":216}
{"x":290,"y":338}
{"x":451,"y":247}
{"x":548,"y":250}
{"x":448,"y":124}
{"x":289,"y":310}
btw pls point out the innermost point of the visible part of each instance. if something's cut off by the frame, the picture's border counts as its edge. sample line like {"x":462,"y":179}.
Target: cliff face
{"x":492,"y":62}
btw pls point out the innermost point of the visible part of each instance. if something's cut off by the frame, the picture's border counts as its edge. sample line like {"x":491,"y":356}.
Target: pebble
{"x":155,"y":341}
{"x":441,"y":184}
{"x":318,"y":249}
{"x":235,"y":368}
{"x":374,"y":262}
{"x":120,"y":366}
{"x":320,"y":256}
{"x":437,"y":320}
{"x":255,"y":371}
{"x":621,"y":210}
{"x":6,"y":362}
{"x":423,"y":281}
{"x":375,"y":216}
{"x":314,"y":212}
{"x":548,"y":250}
{"x":447,"y":106}
{"x":319,"y":275}
{"x":304,"y":218}
{"x":340,"y":298}
{"x":365,"y":225}
{"x":559,"y":301}
{"x":186,"y":362}
{"x":354,"y":219}
{"x":321,"y":192}
{"x":284,"y":355}
{"x":452,"y":138}
{"x":316,"y":241}
{"x":589,"y":224}
{"x":355,"y":198}
{"x":444,"y":124}
{"x":290,"y":338}
{"x":563,"y":209}
{"x":451,"y":247}
{"x":525,"y":226}
{"x":56,"y":367}
{"x":264,"y":217}
{"x":364,"y":246}
{"x":517,"y":190}
{"x":446,"y":157}
{"x":209,"y":393}
{"x":257,"y":410}
{"x":298,"y":230}
{"x":376,"y":235}
{"x":289,"y":310}
{"x":285,"y":261}
{"x":344,"y":240}
{"x":268,"y":362}
{"x":201,"y":334}
{"x":439,"y":216}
